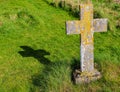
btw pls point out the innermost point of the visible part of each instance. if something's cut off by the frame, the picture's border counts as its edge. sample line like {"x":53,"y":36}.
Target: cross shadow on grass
{"x":55,"y":76}
{"x":37,"y":54}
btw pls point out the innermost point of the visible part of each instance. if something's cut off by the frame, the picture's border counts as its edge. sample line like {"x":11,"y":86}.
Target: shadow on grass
{"x":37,"y":54}
{"x":50,"y":67}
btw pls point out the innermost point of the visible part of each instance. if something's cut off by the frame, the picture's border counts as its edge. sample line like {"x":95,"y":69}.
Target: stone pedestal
{"x":85,"y":77}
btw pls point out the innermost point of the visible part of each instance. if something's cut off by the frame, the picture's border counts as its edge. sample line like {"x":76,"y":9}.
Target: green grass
{"x":37,"y":55}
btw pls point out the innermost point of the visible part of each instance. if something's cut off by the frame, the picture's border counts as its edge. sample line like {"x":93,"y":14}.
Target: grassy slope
{"x":44,"y":61}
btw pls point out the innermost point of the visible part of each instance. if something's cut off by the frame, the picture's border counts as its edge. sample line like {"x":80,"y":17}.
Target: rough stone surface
{"x":100,"y":25}
{"x":86,"y":77}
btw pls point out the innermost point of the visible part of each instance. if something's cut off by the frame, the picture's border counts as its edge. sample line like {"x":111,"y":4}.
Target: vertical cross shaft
{"x":87,"y":38}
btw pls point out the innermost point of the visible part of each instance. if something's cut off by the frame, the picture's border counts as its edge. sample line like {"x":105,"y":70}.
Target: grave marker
{"x":86,"y":27}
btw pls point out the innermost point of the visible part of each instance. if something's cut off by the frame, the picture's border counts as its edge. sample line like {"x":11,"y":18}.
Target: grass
{"x":37,"y":55}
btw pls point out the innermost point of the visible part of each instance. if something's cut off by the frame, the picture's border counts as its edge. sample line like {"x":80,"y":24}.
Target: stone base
{"x":85,"y":77}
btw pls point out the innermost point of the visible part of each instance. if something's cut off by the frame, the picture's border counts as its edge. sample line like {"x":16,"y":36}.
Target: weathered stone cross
{"x":86,"y":27}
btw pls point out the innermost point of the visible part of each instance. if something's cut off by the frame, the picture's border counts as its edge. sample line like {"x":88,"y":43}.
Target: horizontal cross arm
{"x":73,"y":27}
{"x":100,"y":25}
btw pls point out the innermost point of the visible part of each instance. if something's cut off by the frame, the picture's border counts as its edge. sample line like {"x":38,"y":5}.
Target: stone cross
{"x":86,"y":27}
